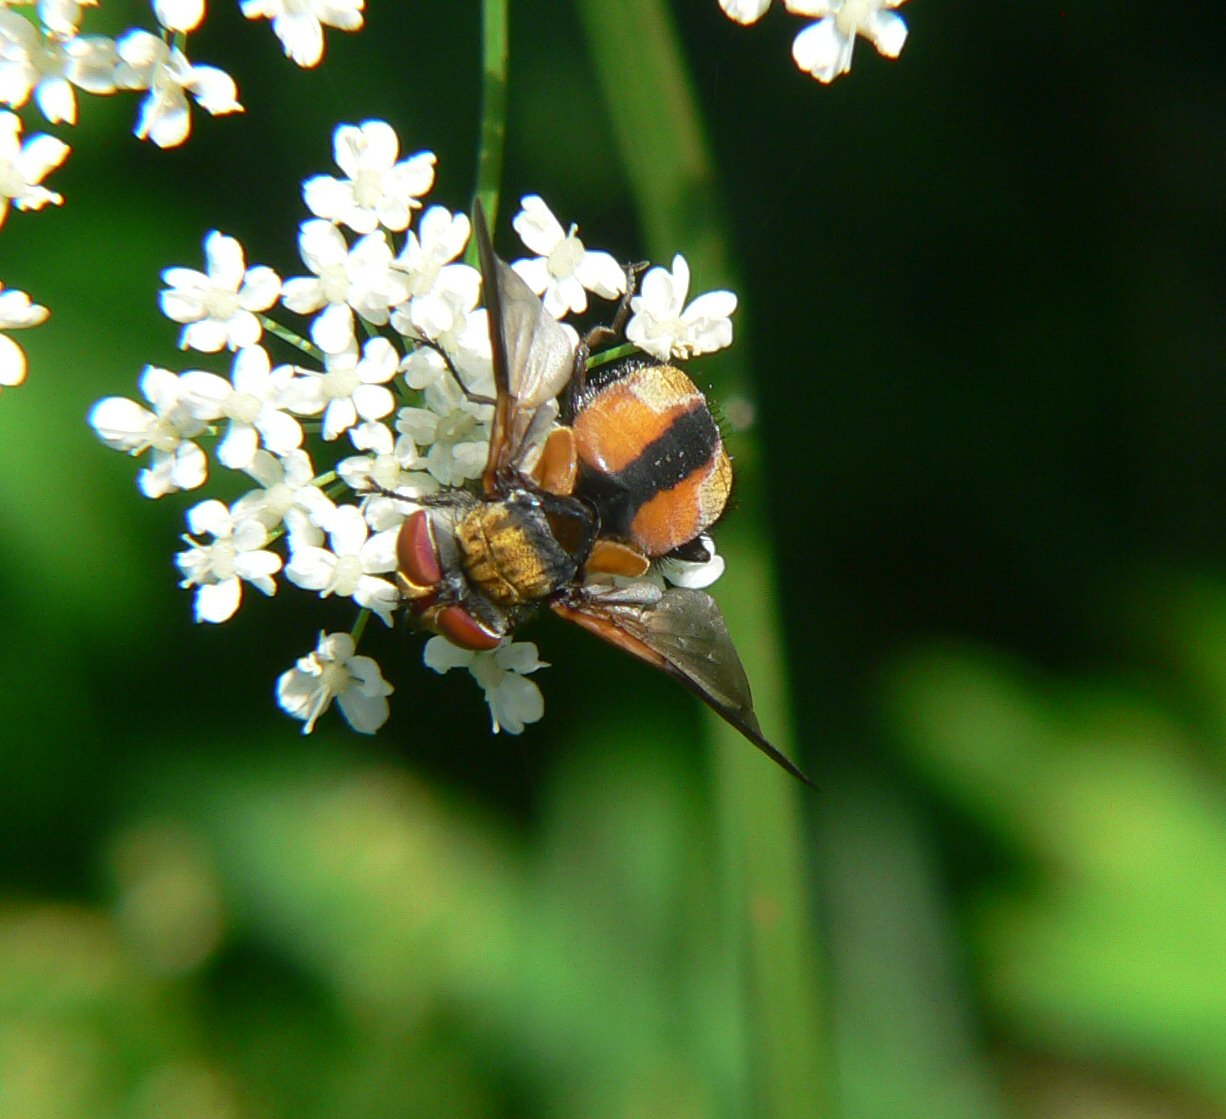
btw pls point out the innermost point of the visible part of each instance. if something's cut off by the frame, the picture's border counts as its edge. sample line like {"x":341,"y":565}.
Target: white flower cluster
{"x":367,"y":409}
{"x":45,"y":59}
{"x":824,"y":48}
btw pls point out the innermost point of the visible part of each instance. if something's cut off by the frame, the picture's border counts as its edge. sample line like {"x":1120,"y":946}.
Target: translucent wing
{"x":683,"y":633}
{"x":534,"y":357}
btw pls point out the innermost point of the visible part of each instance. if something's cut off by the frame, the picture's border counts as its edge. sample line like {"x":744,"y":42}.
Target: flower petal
{"x":217,"y":602}
{"x":442,"y":656}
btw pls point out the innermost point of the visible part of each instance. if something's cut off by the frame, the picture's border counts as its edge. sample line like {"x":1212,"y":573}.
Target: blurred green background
{"x":982,"y":307}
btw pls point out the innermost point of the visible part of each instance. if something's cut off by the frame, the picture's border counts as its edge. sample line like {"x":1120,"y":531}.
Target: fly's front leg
{"x":600,"y":336}
{"x":606,"y":335}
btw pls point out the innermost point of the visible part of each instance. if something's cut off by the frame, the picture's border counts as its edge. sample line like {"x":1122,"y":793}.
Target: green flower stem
{"x":286,"y":335}
{"x":606,"y":356}
{"x":493,"y":112}
{"x":359,"y":626}
{"x":771,"y":940}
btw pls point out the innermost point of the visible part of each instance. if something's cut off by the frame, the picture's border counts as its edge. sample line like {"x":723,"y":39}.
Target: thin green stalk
{"x":493,"y":111}
{"x":287,"y":335}
{"x":772,"y":939}
{"x":606,"y":356}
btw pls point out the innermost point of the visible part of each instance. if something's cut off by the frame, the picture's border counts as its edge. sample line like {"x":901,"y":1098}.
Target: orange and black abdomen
{"x":651,"y":459}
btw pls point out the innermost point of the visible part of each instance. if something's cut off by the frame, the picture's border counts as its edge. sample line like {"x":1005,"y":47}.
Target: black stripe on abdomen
{"x":690,"y":441}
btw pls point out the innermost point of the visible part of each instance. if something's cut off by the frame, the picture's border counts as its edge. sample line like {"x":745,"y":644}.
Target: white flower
{"x":48,"y":67}
{"x":745,"y":11}
{"x":456,"y":431}
{"x":62,"y":17}
{"x":824,"y":48}
{"x":333,"y":672}
{"x":285,"y":484}
{"x":299,"y":24}
{"x":378,"y":190}
{"x":449,"y":317}
{"x":167,"y":431}
{"x":352,"y":566}
{"x":564,"y":268}
{"x":392,"y":465}
{"x":217,"y":569}
{"x":23,"y":166}
{"x":302,"y":525}
{"x":361,"y":278}
{"x":179,"y":15}
{"x":513,"y":700}
{"x":427,"y":254}
{"x":349,"y":388}
{"x":694,"y":574}
{"x":218,"y":305}
{"x":252,"y":400}
{"x":659,"y":325}
{"x":151,"y":64}
{"x":16,"y":311}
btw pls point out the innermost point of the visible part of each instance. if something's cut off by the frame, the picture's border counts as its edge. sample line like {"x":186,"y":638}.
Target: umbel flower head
{"x":339,"y":439}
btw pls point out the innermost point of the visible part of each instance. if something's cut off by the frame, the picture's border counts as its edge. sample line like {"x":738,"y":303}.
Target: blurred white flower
{"x":253,"y":401}
{"x":513,"y":700}
{"x":218,"y":306}
{"x":824,"y":49}
{"x":179,"y":15}
{"x":218,"y":569}
{"x":17,"y":311}
{"x":331,"y":672}
{"x":379,"y":189}
{"x":665,"y":327}
{"x":62,"y":17}
{"x":149,"y":63}
{"x":167,"y":432}
{"x":23,"y":166}
{"x":351,"y":566}
{"x":745,"y":11}
{"x":565,"y":270}
{"x":299,"y":24}
{"x":49,"y":66}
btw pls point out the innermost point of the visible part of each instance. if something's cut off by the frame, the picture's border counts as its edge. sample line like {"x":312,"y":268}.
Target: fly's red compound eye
{"x":417,"y":551}
{"x":461,"y":628}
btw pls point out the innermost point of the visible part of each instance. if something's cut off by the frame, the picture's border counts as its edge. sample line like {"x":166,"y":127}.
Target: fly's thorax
{"x":525,"y":546}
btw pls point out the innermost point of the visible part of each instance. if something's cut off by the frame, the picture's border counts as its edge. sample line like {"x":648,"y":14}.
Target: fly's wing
{"x":683,"y":633}
{"x":533,"y":355}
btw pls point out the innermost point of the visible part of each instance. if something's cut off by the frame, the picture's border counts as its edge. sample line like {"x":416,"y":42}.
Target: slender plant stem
{"x":493,"y":110}
{"x":771,"y":935}
{"x":286,"y":335}
{"x":615,"y":354}
{"x":359,"y":626}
